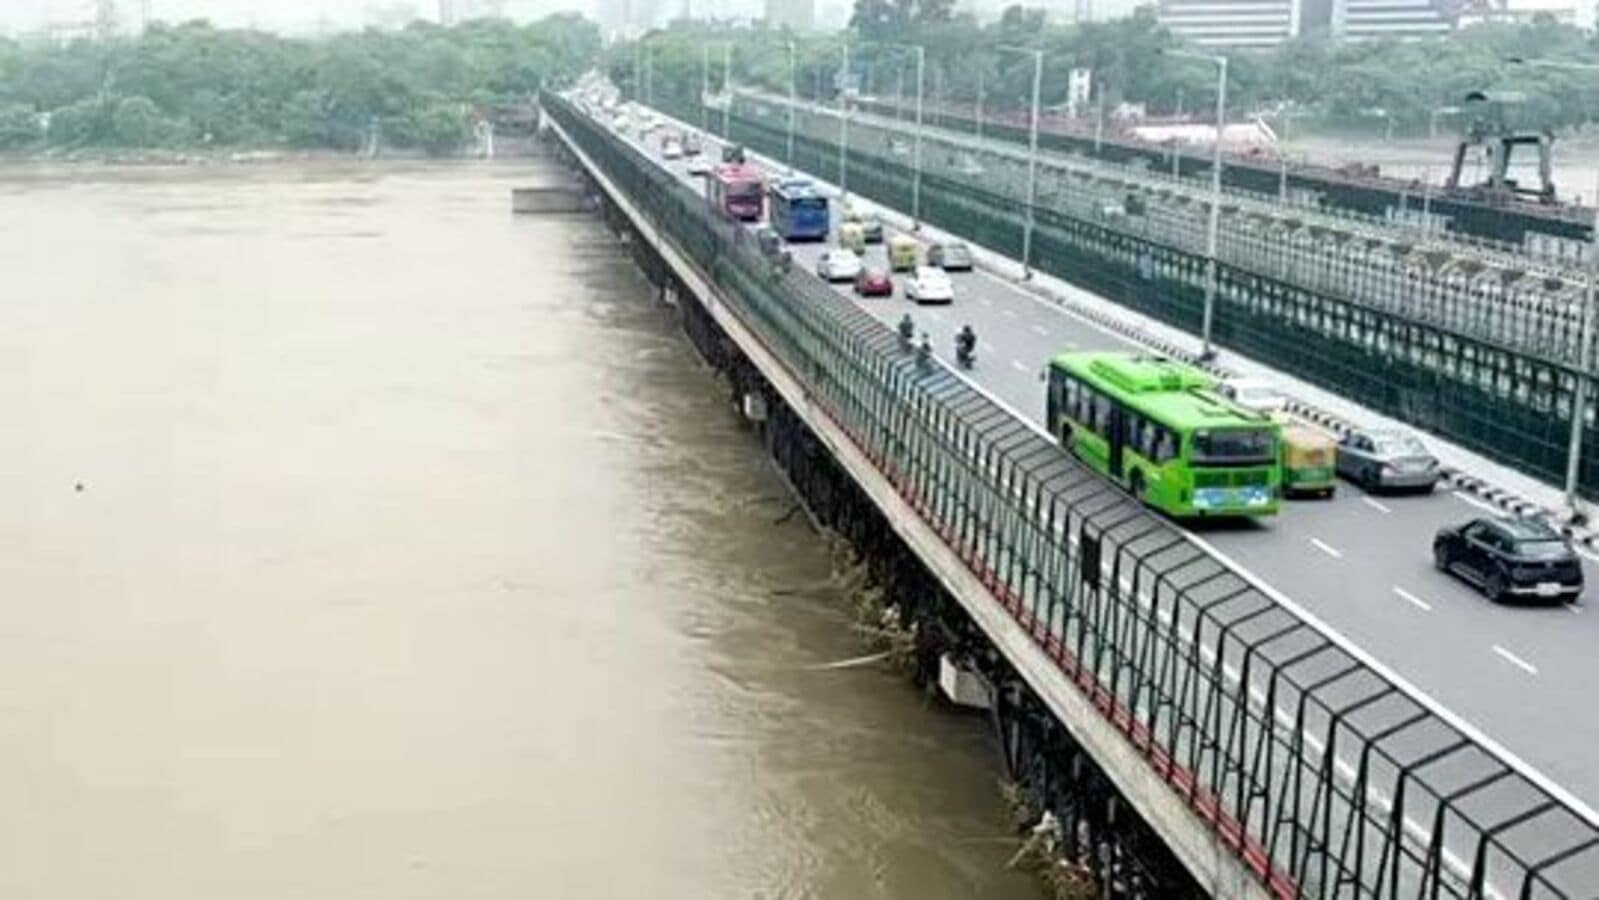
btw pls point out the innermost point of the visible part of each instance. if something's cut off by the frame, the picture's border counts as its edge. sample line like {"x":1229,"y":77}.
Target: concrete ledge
{"x":1215,"y":865}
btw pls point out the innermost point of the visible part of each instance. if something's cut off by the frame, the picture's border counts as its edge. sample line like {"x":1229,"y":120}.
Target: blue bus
{"x":798,"y":211}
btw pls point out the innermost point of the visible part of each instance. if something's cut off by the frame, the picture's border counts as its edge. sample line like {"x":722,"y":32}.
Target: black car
{"x":1510,"y":558}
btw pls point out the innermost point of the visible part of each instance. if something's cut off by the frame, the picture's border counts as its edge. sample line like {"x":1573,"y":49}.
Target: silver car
{"x":1386,"y":459}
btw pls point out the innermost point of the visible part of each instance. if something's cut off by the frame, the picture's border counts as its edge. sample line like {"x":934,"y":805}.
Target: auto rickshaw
{"x":1309,"y":462}
{"x":902,"y":253}
{"x":852,"y":236}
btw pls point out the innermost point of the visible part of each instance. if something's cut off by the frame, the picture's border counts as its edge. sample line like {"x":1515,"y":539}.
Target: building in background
{"x":1373,"y":19}
{"x":1247,"y":24}
{"x":1239,"y":24}
{"x":799,"y":15}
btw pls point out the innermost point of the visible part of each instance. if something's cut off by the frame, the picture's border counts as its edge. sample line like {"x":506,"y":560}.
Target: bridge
{"x":1270,"y":753}
{"x":1482,"y":352}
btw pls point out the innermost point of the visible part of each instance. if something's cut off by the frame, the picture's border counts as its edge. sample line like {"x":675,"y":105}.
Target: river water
{"x":364,"y":541}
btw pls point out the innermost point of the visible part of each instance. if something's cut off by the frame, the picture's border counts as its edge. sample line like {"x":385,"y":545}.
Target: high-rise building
{"x":1243,"y":24}
{"x":1370,"y":19}
{"x":1232,"y":23}
{"x":799,"y":15}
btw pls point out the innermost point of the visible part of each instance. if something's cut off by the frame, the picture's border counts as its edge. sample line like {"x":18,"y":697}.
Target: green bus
{"x":1159,"y":428}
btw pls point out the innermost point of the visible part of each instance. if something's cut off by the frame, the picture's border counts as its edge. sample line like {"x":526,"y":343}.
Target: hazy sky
{"x":19,"y":15}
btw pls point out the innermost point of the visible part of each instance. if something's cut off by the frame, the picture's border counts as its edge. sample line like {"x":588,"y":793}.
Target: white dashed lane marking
{"x":1516,"y":661}
{"x":1020,"y":366}
{"x":1377,"y":506}
{"x":1327,"y":548}
{"x":1413,"y":600}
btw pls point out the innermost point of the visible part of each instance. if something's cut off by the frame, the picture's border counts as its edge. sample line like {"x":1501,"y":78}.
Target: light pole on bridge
{"x":1579,"y":390}
{"x":1209,"y":351}
{"x":1032,"y":156}
{"x":916,"y":164}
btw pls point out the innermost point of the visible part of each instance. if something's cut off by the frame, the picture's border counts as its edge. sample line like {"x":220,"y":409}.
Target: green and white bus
{"x":1159,"y":428}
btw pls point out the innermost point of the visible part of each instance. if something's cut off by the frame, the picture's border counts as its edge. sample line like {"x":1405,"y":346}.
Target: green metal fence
{"x":1327,"y":777}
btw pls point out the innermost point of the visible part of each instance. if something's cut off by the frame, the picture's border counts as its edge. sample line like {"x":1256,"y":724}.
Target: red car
{"x":874,"y":283}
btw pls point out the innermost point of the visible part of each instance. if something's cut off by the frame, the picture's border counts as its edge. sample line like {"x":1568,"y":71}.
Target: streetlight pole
{"x":1585,"y":361}
{"x":843,"y":130}
{"x":916,"y":185}
{"x":921,"y":85}
{"x":791,"y":102}
{"x":727,"y":91}
{"x":1032,"y":159}
{"x":705,"y":86}
{"x":1209,"y":351}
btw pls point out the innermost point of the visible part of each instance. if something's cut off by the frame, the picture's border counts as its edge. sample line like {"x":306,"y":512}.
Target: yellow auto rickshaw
{"x":902,"y":253}
{"x":1309,"y":462}
{"x":852,"y":236}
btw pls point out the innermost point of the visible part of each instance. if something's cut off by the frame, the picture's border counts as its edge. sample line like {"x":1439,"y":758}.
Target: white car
{"x":1254,"y":394}
{"x":838,"y":265}
{"x":699,"y":165}
{"x":930,"y":285}
{"x":671,"y":149}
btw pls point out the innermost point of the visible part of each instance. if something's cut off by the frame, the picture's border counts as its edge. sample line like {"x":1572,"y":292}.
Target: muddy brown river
{"x":360,"y":540}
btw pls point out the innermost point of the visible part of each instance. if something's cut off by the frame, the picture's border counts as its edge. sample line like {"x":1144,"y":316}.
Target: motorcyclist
{"x":966,"y":344}
{"x":907,"y":330}
{"x":924,"y":352}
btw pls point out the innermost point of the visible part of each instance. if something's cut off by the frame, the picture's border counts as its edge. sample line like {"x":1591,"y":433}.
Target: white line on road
{"x":985,"y":301}
{"x":1377,"y":506}
{"x":1020,"y":366}
{"x":1480,"y":504}
{"x":1516,"y":661}
{"x":1041,"y":331}
{"x":1413,"y":600}
{"x":1011,"y":313}
{"x":1327,"y":548}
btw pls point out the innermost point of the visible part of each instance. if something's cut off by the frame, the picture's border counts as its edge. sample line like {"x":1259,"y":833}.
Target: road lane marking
{"x":1020,"y":366}
{"x":1574,"y":608}
{"x":1413,"y":600}
{"x":1516,"y":661}
{"x":1480,"y":504}
{"x":1327,"y":548}
{"x":1041,"y":331}
{"x":1011,"y":313}
{"x":935,"y":316}
{"x":985,"y":301}
{"x":1377,"y":506}
{"x":1586,"y":555}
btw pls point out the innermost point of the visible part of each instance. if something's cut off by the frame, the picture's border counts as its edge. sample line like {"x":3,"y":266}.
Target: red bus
{"x":736,"y":190}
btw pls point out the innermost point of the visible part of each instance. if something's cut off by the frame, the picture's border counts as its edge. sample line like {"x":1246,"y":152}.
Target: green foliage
{"x":1374,"y":83}
{"x":19,"y":126}
{"x":439,"y":129}
{"x":197,"y":84}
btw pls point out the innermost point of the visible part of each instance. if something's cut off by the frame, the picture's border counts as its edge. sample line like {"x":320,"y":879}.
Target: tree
{"x":440,"y":129}
{"x":83,"y":122}
{"x":19,"y":126}
{"x":137,"y":122}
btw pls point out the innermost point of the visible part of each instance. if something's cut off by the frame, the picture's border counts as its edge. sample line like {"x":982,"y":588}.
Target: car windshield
{"x":1399,"y":446}
{"x":956,"y":251}
{"x":1542,"y":548}
{"x":744,"y":190}
{"x":1236,"y":445}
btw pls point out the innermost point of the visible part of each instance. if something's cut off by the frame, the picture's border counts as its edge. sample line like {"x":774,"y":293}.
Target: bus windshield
{"x":743,"y":190}
{"x":809,"y":203}
{"x":1233,"y":446}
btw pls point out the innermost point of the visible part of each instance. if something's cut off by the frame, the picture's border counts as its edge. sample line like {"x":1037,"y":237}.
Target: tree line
{"x":196,"y":85}
{"x":1394,"y":85}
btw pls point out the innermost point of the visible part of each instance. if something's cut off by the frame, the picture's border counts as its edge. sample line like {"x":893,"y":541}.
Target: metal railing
{"x":1324,"y":773}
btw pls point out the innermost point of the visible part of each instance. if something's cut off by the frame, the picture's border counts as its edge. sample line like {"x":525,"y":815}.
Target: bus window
{"x":1241,"y":445}
{"x":1165,"y":447}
